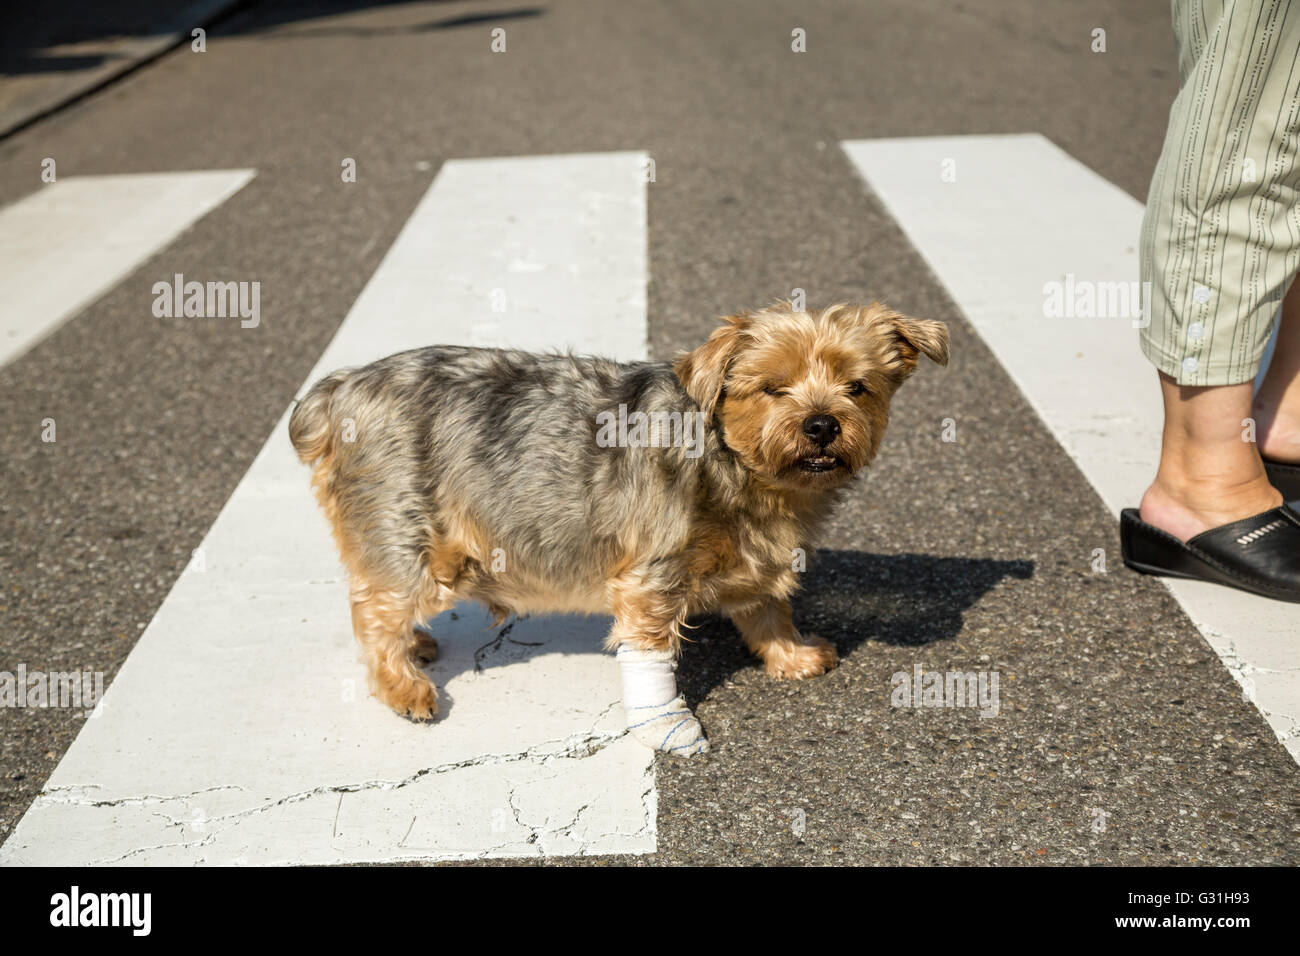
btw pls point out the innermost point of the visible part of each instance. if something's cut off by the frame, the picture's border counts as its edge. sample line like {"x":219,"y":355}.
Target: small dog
{"x":451,"y":473}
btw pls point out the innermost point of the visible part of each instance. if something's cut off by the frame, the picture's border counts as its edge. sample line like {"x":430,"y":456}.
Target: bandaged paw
{"x":656,"y":714}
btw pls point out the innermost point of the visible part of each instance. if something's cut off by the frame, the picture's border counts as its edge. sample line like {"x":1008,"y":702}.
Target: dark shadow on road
{"x":850,"y":598}
{"x":31,"y":29}
{"x":449,"y":23}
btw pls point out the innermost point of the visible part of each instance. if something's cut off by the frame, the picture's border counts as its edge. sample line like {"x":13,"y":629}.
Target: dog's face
{"x":802,"y":398}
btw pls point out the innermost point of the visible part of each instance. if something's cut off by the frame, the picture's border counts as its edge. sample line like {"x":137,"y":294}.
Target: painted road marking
{"x":67,"y":244}
{"x":239,"y":730}
{"x":998,"y":218}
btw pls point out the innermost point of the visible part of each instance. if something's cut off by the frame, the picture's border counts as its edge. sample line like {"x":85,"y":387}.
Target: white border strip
{"x":67,"y":244}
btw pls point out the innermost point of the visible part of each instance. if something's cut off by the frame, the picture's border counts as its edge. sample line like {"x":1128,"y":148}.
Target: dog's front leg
{"x":646,"y":636}
{"x":768,"y":630}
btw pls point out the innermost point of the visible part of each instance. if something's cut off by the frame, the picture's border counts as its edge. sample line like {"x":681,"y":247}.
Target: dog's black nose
{"x":821,"y":429}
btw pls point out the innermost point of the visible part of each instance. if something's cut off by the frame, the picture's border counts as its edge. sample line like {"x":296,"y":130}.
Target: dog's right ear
{"x":703,"y":373}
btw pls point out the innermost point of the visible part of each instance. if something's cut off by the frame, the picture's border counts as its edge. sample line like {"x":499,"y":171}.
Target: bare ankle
{"x":1276,"y":411}
{"x":1278,"y":434}
{"x":1186,"y":506}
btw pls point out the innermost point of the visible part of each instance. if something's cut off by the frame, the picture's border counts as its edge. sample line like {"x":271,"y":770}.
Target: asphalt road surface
{"x":967,"y":556}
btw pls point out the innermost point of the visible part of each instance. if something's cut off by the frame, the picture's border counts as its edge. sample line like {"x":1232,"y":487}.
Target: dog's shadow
{"x":850,"y":598}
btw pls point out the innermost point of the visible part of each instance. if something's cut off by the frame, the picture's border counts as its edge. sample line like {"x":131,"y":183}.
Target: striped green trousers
{"x":1221,"y":234}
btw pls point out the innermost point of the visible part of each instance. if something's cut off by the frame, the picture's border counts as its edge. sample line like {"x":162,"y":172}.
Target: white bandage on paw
{"x":656,"y":714}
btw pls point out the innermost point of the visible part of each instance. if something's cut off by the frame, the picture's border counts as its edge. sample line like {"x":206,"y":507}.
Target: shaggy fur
{"x":459,"y":473}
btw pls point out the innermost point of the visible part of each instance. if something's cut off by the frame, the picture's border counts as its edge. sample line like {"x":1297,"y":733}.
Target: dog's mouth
{"x":819,"y":464}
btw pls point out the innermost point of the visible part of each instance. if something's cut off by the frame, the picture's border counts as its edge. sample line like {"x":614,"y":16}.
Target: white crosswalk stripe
{"x":999,"y":218}
{"x":72,"y":240}
{"x":239,"y":728}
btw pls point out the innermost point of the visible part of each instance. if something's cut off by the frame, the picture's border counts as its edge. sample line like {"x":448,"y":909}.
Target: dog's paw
{"x":426,"y":647}
{"x":813,"y":656}
{"x":669,"y":727}
{"x":415,"y":698}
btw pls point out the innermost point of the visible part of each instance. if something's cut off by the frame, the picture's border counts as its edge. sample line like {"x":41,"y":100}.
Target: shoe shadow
{"x":850,"y":598}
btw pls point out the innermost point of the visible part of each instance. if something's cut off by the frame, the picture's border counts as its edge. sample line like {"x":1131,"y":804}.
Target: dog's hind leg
{"x":426,"y":645}
{"x":383,"y":620}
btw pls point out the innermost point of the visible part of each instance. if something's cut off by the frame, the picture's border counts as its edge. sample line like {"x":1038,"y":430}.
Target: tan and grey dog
{"x":460,"y":473}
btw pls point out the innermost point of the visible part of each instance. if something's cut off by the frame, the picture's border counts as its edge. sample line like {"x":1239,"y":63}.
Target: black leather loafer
{"x":1285,"y":478}
{"x":1260,"y":554}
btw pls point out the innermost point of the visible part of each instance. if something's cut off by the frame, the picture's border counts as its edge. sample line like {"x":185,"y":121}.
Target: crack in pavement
{"x":572,"y":747}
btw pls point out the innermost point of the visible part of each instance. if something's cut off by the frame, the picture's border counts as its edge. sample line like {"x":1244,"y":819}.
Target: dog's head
{"x":803,"y":397}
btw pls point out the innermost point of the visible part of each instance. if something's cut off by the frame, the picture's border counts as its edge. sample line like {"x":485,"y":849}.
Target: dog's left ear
{"x":907,"y":337}
{"x":703,"y":373}
{"x":919,"y":336}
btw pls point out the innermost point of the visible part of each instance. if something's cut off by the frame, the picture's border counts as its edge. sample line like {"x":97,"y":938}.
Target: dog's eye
{"x":772,"y":390}
{"x":857,"y":388}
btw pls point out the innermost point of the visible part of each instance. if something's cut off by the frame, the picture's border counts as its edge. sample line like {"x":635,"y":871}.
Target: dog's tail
{"x":311,"y":426}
